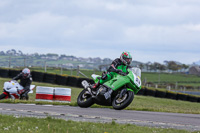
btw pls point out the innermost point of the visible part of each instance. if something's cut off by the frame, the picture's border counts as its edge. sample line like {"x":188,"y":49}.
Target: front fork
{"x":86,"y":86}
{"x":122,"y":93}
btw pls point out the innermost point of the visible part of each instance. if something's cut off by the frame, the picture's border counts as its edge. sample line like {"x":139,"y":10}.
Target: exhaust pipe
{"x":85,"y":84}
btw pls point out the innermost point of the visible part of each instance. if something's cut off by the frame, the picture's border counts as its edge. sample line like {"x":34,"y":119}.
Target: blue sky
{"x":151,"y":30}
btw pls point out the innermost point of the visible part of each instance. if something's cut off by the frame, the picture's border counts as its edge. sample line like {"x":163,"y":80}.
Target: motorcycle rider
{"x":25,"y":81}
{"x":125,"y":60}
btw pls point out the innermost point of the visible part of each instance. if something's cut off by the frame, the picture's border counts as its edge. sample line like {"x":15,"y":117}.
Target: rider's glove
{"x":118,"y":70}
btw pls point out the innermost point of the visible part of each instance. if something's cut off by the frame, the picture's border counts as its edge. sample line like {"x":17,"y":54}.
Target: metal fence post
{"x":45,"y":66}
{"x":71,"y":70}
{"x":61,"y":71}
{"x":77,"y":72}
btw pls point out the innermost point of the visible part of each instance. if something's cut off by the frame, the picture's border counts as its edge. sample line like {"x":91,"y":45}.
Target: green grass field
{"x":10,"y":124}
{"x":143,"y":103}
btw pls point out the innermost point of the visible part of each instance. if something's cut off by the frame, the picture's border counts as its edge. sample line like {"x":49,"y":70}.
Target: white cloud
{"x":93,"y":27}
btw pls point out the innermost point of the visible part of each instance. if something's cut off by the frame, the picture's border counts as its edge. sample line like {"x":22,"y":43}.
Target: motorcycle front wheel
{"x":84,"y":99}
{"x":123,"y":102}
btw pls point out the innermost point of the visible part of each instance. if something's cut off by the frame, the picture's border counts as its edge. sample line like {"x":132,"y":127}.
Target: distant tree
{"x":51,"y":55}
{"x":184,"y":66}
{"x":172,"y":65}
{"x":141,"y":65}
{"x":2,"y":53}
{"x":11,"y":52}
{"x":62,"y":56}
{"x":162,"y":67}
{"x":107,"y":60}
{"x":20,"y":52}
{"x":148,"y":65}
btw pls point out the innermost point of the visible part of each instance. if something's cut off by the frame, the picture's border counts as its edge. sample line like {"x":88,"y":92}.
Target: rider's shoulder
{"x":117,"y":60}
{"x":129,"y":66}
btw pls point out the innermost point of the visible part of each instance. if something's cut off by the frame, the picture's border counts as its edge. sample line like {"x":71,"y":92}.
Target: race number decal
{"x":137,"y":81}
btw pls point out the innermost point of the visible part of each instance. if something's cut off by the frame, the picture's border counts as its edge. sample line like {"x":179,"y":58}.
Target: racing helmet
{"x":126,"y":58}
{"x":26,"y":73}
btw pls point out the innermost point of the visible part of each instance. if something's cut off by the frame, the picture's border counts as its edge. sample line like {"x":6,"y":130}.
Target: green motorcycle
{"x":117,"y":92}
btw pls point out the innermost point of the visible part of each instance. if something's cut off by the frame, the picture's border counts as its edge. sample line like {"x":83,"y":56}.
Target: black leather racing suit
{"x":25,"y":82}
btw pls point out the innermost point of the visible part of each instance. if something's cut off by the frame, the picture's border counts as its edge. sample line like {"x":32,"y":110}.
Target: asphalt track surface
{"x":189,"y":122}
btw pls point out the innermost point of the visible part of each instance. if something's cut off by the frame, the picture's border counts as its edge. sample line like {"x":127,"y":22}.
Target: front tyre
{"x":121,"y":103}
{"x":84,"y":99}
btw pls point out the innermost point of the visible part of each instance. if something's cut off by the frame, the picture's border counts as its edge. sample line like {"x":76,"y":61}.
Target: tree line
{"x":168,"y":65}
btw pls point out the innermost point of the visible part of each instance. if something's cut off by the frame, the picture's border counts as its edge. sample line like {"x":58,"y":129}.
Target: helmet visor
{"x":25,"y":75}
{"x":128,"y":60}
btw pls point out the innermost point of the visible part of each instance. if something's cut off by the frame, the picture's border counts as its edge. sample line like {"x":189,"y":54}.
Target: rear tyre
{"x":84,"y":99}
{"x":122,"y":103}
{"x":2,"y":96}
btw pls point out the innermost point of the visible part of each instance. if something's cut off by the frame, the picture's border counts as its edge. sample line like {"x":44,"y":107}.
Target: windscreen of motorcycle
{"x":136,"y":71}
{"x":137,"y":76}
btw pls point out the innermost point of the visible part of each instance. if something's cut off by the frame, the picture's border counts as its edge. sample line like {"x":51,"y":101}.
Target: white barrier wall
{"x":53,"y":94}
{"x":44,"y":93}
{"x":62,"y":94}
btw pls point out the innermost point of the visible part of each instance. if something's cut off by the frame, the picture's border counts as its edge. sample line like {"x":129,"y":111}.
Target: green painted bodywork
{"x":119,"y":81}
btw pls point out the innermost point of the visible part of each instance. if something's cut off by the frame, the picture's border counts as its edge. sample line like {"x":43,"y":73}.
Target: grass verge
{"x":10,"y":124}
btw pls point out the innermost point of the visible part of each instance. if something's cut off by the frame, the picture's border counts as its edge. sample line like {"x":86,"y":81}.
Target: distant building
{"x":195,"y":70}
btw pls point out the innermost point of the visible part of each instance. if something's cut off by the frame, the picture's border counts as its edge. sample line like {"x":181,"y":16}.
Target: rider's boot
{"x":94,"y":87}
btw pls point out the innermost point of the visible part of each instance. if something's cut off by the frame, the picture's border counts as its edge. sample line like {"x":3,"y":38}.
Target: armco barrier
{"x":4,"y":73}
{"x":171,"y":95}
{"x":149,"y":92}
{"x":72,"y":81}
{"x":160,"y":94}
{"x":181,"y":97}
{"x":141,"y":91}
{"x":13,"y":73}
{"x":62,"y":94}
{"x":80,"y":80}
{"x":49,"y":78}
{"x":198,"y":100}
{"x":44,"y":93}
{"x":91,"y":81}
{"x":192,"y":98}
{"x":37,"y":76}
{"x":61,"y":80}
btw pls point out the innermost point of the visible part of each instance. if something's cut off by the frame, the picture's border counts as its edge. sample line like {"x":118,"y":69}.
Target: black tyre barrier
{"x":61,"y":80}
{"x":4,"y":73}
{"x":37,"y":76}
{"x":79,"y":80}
{"x":141,"y":91}
{"x":160,"y":94}
{"x":198,"y":100}
{"x":192,"y":98}
{"x":91,"y":81}
{"x":72,"y":81}
{"x":49,"y":78}
{"x":181,"y":97}
{"x":171,"y":95}
{"x":14,"y":73}
{"x":149,"y":92}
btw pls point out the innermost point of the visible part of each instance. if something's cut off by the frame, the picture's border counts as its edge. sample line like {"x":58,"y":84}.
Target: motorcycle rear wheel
{"x":84,"y":99}
{"x":122,"y":103}
{"x":2,"y":96}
